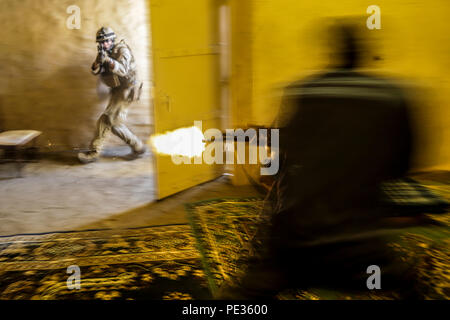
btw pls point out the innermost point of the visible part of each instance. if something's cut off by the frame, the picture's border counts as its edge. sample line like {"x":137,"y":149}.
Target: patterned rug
{"x":193,"y":262}
{"x":160,"y":263}
{"x":223,"y":228}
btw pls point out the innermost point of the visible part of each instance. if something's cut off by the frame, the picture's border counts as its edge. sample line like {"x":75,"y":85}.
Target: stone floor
{"x":59,"y":194}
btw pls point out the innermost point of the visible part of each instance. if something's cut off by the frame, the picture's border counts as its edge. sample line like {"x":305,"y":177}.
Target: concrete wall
{"x":45,"y":81}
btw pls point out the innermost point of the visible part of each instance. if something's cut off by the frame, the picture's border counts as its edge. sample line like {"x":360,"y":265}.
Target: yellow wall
{"x":45,"y":81}
{"x":241,"y":62}
{"x":285,"y":41}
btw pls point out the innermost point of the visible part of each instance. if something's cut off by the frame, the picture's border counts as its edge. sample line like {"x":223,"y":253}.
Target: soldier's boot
{"x":134,"y":142}
{"x":140,"y":150}
{"x":88,"y":157}
{"x":103,"y":127}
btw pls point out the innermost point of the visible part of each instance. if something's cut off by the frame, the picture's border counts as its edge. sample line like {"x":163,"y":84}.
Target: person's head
{"x":350,"y":51}
{"x":107,"y":44}
{"x":346,"y":45}
{"x":105,"y":37}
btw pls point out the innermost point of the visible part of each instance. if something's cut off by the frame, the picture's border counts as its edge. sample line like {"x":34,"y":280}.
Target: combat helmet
{"x":105,"y":33}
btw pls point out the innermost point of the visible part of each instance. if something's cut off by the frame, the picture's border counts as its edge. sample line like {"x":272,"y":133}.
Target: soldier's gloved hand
{"x":95,"y":65}
{"x":99,"y":58}
{"x":109,"y":61}
{"x":103,"y":57}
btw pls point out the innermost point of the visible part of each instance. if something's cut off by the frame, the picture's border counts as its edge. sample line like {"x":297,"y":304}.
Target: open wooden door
{"x":186,"y":84}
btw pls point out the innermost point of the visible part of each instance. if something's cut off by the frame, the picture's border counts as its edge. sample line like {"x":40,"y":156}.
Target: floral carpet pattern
{"x":158,"y":263}
{"x":223,"y":228}
{"x":177,"y":262}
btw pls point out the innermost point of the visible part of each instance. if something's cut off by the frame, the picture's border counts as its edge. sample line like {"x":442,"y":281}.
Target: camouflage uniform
{"x":125,"y":89}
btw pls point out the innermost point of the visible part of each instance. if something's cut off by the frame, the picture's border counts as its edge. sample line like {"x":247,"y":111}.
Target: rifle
{"x":101,"y":54}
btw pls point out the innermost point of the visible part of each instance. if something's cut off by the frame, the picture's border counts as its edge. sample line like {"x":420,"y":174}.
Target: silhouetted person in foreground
{"x":347,"y":133}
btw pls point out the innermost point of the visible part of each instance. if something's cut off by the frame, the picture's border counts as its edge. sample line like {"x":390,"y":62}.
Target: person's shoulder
{"x":122,"y":45}
{"x":351,"y":78}
{"x":306,"y":80}
{"x":295,"y":87}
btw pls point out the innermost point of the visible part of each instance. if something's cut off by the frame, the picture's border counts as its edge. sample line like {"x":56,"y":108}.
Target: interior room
{"x":224,"y":149}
